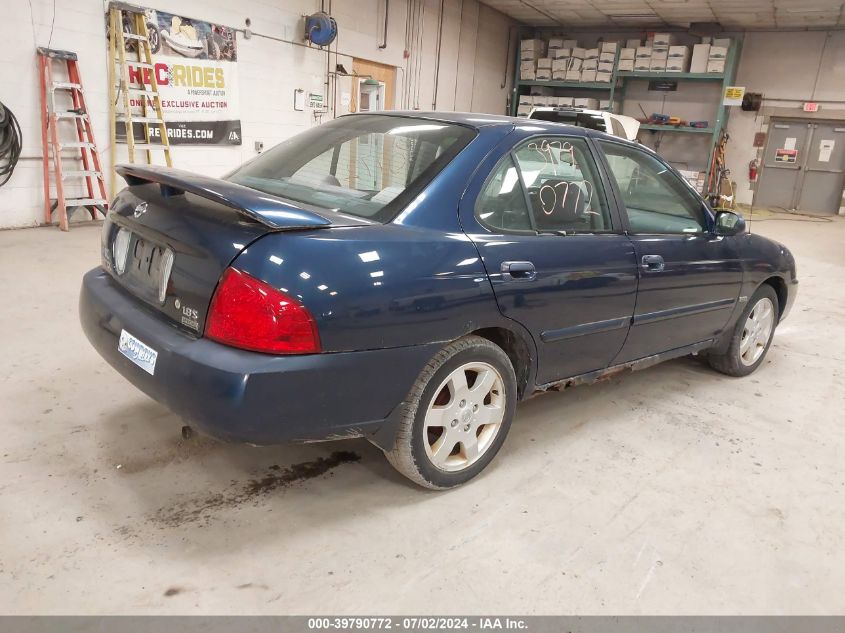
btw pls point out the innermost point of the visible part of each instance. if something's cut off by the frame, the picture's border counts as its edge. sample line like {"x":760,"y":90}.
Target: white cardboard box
{"x":716,"y":66}
{"x":555,"y":42}
{"x":586,"y":102}
{"x":575,"y":63}
{"x":559,"y":75}
{"x":700,"y":55}
{"x":678,"y":51}
{"x":544,"y":62}
{"x":677,"y":65}
{"x":718,"y":52}
{"x":523,"y":110}
{"x":658,"y":65}
{"x":536,"y":45}
{"x":661,"y":56}
{"x":642,"y":63}
{"x":662,"y":39}
{"x":628,"y":53}
{"x":560,"y":64}
{"x":605,"y":67}
{"x":607,"y":57}
{"x":591,"y":53}
{"x":590,"y":64}
{"x":608,"y":47}
{"x":527,"y":67}
{"x":526,"y":99}
{"x":564,"y":101}
{"x":626,"y":64}
{"x":557,"y":53}
{"x":578,"y":52}
{"x":528,"y":75}
{"x":588,"y":75}
{"x":722,"y":41}
{"x":543,"y":74}
{"x":604,"y":104}
{"x":573,"y":75}
{"x":603,"y":76}
{"x":643,"y":52}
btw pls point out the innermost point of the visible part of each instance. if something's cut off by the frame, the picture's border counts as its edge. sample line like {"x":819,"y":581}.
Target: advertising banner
{"x":195,"y":66}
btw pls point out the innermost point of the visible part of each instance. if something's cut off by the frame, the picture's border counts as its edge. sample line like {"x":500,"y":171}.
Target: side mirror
{"x":729,"y":223}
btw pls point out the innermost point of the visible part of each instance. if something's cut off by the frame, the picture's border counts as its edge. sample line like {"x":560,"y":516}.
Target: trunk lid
{"x":185,"y":229}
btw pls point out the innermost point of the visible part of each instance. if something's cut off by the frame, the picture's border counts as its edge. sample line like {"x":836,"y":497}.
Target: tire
{"x":155,"y":38}
{"x":753,"y":328}
{"x":474,"y":413}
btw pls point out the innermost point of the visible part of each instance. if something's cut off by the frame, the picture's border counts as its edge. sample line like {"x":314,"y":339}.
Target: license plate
{"x":139,"y":353}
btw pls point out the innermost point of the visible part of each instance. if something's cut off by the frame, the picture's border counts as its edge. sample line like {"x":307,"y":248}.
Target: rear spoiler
{"x":262,"y":207}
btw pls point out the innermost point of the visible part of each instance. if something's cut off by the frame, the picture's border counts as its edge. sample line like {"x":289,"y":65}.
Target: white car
{"x":617,"y":124}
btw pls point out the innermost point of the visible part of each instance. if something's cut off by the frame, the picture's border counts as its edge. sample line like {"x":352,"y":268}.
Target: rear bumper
{"x":243,"y":396}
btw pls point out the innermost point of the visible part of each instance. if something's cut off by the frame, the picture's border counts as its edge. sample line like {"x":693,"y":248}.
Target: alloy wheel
{"x":757,"y":331}
{"x":464,"y":416}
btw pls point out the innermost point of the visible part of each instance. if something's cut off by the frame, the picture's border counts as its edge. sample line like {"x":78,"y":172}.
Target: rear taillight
{"x":121,"y":250}
{"x":248,"y":313}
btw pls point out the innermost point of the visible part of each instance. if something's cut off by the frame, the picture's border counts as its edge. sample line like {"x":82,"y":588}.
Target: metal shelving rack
{"x":617,"y":85}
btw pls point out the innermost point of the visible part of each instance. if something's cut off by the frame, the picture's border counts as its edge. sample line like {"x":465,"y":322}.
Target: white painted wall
{"x":472,"y":73}
{"x":788,"y":68}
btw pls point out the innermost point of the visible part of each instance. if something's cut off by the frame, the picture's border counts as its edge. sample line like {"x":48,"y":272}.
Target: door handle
{"x":653,"y":263}
{"x":518,"y":271}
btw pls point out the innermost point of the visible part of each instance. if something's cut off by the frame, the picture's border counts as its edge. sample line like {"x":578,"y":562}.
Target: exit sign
{"x":811,"y":107}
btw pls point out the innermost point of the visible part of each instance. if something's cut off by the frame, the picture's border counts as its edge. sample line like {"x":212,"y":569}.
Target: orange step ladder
{"x":52,"y":143}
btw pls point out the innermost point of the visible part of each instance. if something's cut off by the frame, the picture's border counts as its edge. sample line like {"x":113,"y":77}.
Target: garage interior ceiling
{"x":731,"y":14}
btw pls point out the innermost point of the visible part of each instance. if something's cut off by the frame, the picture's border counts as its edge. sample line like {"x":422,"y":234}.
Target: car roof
{"x":480,"y":121}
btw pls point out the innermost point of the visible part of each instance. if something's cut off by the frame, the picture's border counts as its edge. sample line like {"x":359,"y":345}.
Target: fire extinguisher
{"x":752,"y":170}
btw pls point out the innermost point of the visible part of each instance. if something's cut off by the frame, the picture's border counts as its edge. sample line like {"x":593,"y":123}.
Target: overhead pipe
{"x":507,"y":58}
{"x":437,"y":61}
{"x":383,"y":45}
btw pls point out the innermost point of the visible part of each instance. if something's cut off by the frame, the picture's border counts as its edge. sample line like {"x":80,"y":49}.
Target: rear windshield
{"x":369,"y":166}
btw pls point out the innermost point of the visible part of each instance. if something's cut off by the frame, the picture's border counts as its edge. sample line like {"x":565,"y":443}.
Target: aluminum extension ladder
{"x":52,"y":144}
{"x":128,"y":33}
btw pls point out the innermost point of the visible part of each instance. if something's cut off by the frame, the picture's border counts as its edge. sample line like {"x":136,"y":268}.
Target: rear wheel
{"x":752,"y":336}
{"x":456,"y":416}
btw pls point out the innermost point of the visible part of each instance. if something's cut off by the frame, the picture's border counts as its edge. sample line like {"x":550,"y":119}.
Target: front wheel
{"x":456,"y":416}
{"x":751,"y":337}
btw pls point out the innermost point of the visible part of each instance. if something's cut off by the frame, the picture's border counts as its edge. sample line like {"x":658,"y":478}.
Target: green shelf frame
{"x":675,"y":128}
{"x":586,"y":85}
{"x":647,"y":74}
{"x":618,"y":82}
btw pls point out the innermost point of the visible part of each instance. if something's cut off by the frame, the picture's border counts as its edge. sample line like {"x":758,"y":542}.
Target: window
{"x":563,"y":185}
{"x":365,"y":165}
{"x":657,"y":201}
{"x":501,"y":204}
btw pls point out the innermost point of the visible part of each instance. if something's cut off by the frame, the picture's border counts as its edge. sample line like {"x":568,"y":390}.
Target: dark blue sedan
{"x":408,"y":277}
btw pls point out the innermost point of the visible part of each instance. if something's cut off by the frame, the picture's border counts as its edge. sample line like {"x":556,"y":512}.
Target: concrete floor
{"x":671,"y":490}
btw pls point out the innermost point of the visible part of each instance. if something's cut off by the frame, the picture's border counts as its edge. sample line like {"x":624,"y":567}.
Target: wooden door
{"x":380,"y":72}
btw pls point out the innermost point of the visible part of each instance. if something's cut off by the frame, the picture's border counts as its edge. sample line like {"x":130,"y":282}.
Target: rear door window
{"x":563,"y":185}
